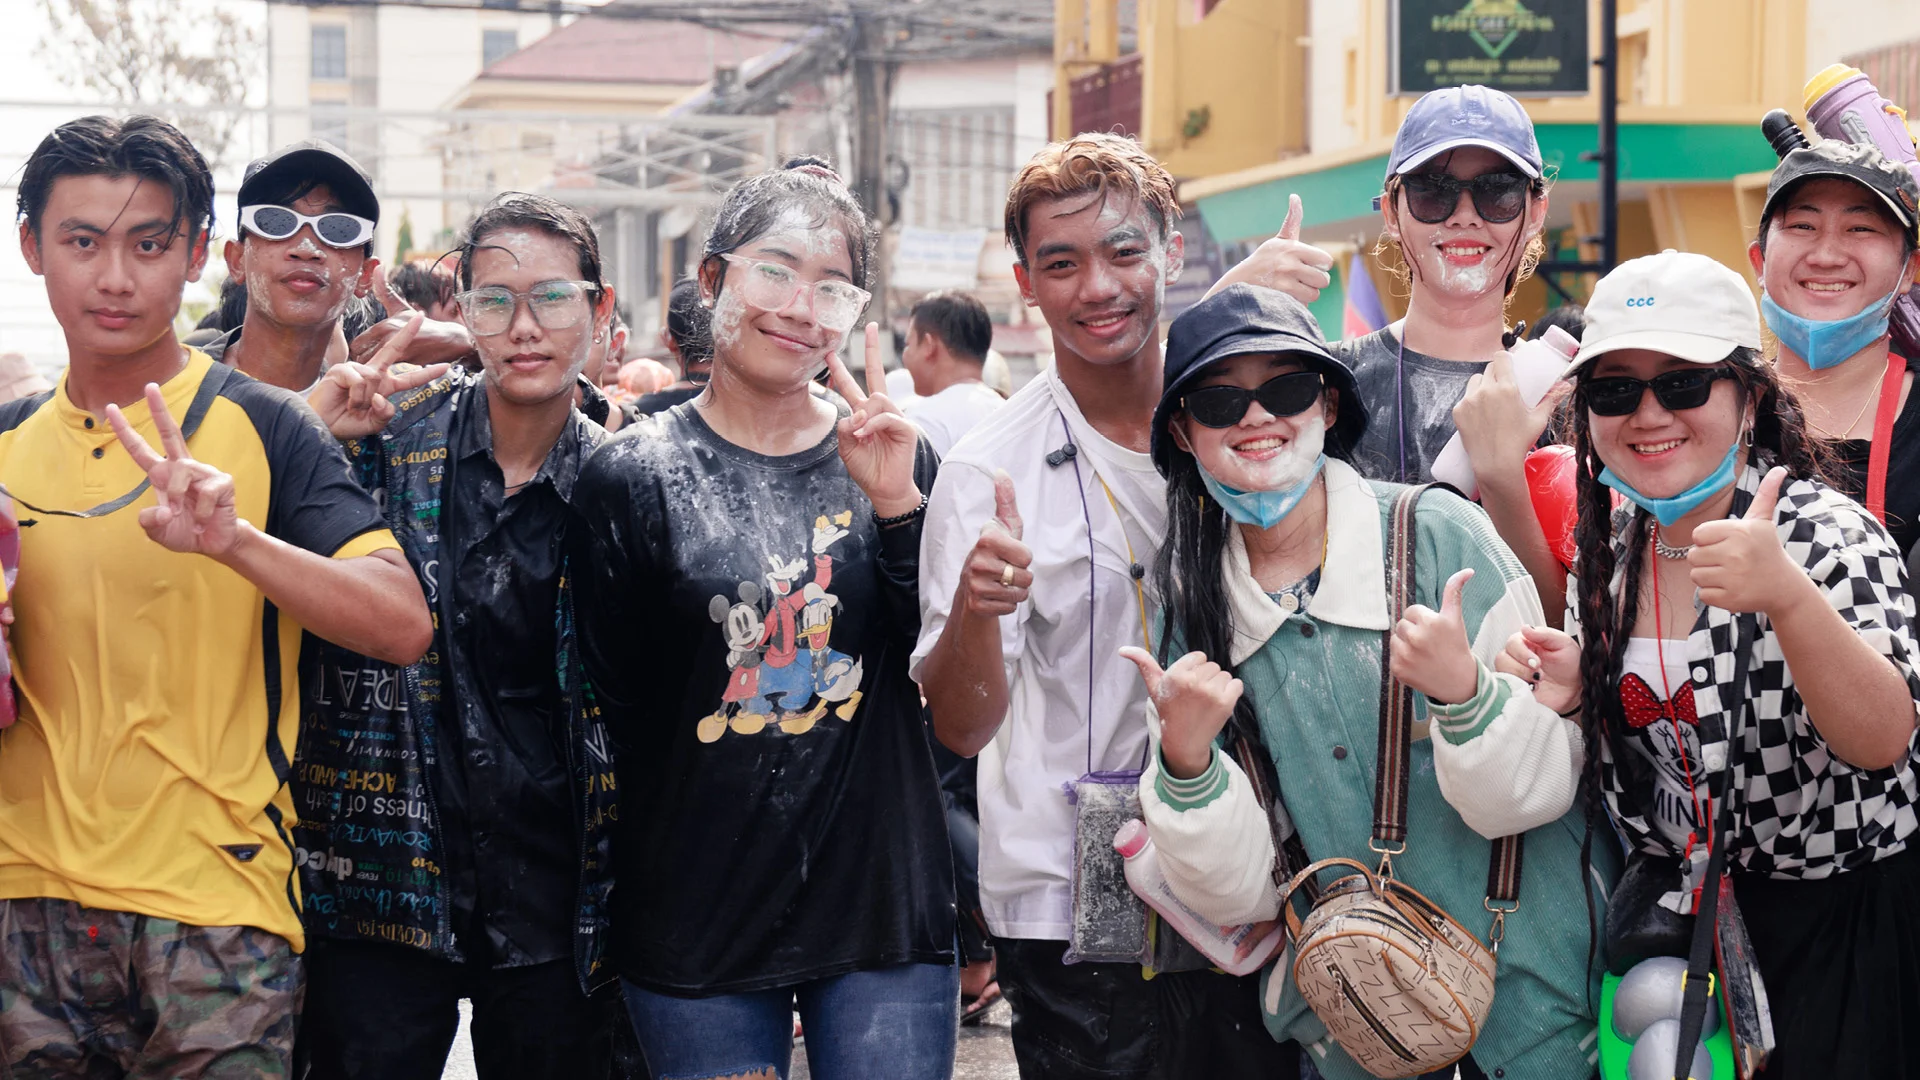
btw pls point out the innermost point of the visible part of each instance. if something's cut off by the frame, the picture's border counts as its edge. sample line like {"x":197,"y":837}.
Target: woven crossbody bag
{"x":1400,"y":984}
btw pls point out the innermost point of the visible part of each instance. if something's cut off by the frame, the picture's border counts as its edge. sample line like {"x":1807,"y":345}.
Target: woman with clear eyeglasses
{"x":747,"y":568}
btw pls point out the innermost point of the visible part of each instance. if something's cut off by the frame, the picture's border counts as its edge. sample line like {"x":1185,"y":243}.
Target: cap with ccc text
{"x":1676,"y":302}
{"x":1862,"y":163}
{"x":318,"y":160}
{"x":1457,"y":116}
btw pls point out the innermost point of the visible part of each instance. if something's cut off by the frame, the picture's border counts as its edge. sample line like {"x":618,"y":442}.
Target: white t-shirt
{"x":946,"y":416}
{"x":1679,"y":773}
{"x":1058,"y":653}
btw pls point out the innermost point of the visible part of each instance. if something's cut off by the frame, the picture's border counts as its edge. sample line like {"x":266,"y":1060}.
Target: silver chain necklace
{"x":1661,"y":547}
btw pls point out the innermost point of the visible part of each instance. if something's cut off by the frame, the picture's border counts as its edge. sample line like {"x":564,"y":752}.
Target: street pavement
{"x":985,"y":1051}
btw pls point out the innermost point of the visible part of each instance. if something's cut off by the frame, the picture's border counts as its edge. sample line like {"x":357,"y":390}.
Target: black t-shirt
{"x":746,"y":628}
{"x":662,"y":400}
{"x":1903,"y":471}
{"x":1401,"y":445}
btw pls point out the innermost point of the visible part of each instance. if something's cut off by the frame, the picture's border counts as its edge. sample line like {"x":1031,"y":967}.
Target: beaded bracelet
{"x":901,"y":519}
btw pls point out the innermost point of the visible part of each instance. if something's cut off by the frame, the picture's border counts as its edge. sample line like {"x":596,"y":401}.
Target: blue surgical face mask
{"x":1261,"y":508}
{"x":1671,"y":509}
{"x":1823,"y":343}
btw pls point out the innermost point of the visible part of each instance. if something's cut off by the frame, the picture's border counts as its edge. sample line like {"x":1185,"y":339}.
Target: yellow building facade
{"x":1248,"y":101}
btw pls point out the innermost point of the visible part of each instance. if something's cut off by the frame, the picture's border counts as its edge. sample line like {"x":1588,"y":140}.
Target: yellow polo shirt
{"x":159,"y":698}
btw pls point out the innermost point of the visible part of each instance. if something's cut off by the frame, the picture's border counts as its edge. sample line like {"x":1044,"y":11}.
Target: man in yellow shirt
{"x":149,"y":905}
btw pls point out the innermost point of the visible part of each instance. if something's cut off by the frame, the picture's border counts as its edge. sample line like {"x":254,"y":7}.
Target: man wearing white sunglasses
{"x":305,"y":251}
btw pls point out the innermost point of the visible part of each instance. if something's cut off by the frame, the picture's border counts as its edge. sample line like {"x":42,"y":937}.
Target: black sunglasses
{"x":1283,"y":395}
{"x":1498,"y":197}
{"x":1619,"y":395}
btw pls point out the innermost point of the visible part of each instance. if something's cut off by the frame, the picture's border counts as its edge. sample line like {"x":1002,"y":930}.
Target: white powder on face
{"x":797,"y":231}
{"x":729,"y":320}
{"x":1287,"y":468}
{"x":307,"y":248}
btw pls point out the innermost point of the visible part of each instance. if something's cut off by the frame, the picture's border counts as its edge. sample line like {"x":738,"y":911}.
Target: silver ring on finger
{"x":1006,"y":575}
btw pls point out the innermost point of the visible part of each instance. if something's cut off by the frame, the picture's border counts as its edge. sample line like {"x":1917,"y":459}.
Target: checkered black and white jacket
{"x":1799,"y":811}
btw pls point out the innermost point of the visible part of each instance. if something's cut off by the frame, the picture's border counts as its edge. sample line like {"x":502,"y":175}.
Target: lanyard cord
{"x":1673,"y":717}
{"x":1133,"y":568}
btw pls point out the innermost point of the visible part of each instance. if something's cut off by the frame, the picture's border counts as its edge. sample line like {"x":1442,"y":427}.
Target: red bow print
{"x":1643,"y":708}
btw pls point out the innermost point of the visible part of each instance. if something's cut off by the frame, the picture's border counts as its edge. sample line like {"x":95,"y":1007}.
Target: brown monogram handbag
{"x":1400,"y":984}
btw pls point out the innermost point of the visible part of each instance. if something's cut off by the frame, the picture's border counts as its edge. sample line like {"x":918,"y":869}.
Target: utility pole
{"x":873,"y":101}
{"x":1607,"y":156}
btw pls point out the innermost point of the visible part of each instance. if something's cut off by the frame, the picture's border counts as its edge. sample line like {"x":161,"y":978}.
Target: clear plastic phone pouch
{"x":1109,"y":920}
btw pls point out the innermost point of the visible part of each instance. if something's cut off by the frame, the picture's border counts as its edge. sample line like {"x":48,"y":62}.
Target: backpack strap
{"x":210,"y":387}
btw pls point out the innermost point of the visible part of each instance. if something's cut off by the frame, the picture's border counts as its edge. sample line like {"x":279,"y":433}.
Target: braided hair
{"x":1607,"y":619}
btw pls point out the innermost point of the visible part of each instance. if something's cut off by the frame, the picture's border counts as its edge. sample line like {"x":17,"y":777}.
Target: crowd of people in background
{"x":399,"y":638}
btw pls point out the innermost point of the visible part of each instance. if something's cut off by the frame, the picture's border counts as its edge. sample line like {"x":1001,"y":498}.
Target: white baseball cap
{"x":1676,"y":302}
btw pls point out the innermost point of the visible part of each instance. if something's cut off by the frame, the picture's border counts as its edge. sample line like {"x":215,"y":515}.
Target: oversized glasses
{"x":1283,"y":395}
{"x":555,"y":305}
{"x":333,"y":229}
{"x":772,"y":287}
{"x":1498,"y":197}
{"x":1677,"y":391}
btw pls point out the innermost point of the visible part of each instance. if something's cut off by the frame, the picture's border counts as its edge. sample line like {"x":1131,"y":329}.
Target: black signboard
{"x":1536,"y":48}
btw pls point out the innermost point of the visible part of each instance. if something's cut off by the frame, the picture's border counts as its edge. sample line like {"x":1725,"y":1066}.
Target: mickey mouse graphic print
{"x":746,"y":626}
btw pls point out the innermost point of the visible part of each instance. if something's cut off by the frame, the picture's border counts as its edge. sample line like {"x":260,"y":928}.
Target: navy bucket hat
{"x":1241,"y":319}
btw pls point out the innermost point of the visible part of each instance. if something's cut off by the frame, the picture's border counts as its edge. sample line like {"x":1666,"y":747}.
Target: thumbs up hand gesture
{"x":995,"y":578}
{"x":1194,"y":699}
{"x":1737,"y":564}
{"x":1430,"y":651}
{"x":1284,"y":262}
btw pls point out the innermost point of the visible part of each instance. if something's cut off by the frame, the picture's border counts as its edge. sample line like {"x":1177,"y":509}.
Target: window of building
{"x":497,"y":45}
{"x":329,"y":52}
{"x":959,"y":163}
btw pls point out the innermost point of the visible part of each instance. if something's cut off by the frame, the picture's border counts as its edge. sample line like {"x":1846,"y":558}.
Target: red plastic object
{"x":1550,"y":481}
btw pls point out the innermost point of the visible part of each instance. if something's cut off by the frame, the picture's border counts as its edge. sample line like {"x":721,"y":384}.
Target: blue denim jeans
{"x":892,"y":1023}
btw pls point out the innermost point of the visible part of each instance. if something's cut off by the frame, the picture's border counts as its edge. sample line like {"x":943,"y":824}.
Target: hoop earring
{"x":1746,"y":438}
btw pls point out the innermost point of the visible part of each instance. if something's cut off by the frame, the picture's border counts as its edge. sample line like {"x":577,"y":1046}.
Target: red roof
{"x":602,"y":49}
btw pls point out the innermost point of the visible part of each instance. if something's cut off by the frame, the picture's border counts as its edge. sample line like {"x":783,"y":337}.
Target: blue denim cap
{"x":1457,"y":116}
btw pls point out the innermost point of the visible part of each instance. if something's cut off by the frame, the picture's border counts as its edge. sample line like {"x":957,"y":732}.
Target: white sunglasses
{"x":334,"y":229}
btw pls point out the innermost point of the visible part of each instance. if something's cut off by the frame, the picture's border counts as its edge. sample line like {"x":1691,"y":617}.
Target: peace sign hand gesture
{"x":195,"y":511}
{"x":351,"y":398}
{"x":877,"y":443}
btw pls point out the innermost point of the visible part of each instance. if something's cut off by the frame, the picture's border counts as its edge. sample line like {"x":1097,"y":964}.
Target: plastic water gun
{"x":1842,"y":103}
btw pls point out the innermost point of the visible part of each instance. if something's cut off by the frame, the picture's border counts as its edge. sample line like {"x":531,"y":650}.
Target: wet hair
{"x":1524,"y":258}
{"x":522,"y":210}
{"x":1112,"y":166}
{"x":1569,"y":317}
{"x":959,"y":320}
{"x":422,"y":285}
{"x":690,"y":325}
{"x":1607,"y":620}
{"x":143,"y":146}
{"x":806,"y":185}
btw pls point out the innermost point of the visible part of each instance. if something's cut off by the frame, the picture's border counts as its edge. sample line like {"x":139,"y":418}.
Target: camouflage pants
{"x":97,"y":994}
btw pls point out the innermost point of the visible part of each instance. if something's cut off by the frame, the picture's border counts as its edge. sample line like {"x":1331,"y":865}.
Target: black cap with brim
{"x":1861,"y":163}
{"x":320,"y":162}
{"x":1241,"y":319}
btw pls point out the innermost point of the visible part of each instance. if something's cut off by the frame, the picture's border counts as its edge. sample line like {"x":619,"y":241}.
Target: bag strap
{"x":210,"y":387}
{"x":1396,"y":698}
{"x":1698,"y":984}
{"x":1396,"y":728}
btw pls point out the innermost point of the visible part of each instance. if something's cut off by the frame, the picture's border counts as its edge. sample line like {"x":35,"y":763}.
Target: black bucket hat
{"x":1242,"y":319}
